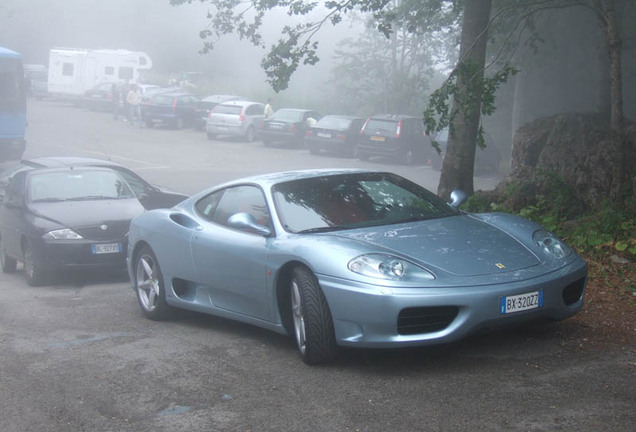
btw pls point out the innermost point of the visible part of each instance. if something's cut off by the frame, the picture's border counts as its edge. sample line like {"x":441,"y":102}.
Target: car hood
{"x":86,"y":213}
{"x":460,"y":245}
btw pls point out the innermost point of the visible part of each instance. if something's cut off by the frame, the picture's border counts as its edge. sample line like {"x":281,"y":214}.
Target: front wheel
{"x":149,"y":285}
{"x":313,"y":325}
{"x":8,"y":264}
{"x":33,"y":272}
{"x":250,"y":134}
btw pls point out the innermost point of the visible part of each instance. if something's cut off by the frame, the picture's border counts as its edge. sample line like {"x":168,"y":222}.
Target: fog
{"x":168,"y":34}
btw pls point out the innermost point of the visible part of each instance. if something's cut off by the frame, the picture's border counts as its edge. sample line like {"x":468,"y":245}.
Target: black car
{"x":399,"y":136}
{"x":53,"y":219}
{"x":100,"y":97}
{"x":287,"y":125}
{"x":150,"y":196}
{"x":335,"y":133}
{"x":175,"y":110}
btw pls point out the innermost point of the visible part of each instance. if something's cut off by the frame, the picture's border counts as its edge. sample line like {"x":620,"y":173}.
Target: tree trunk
{"x":459,"y":161}
{"x":606,"y":12}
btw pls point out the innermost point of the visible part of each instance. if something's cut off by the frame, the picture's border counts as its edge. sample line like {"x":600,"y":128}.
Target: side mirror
{"x":246,"y":222}
{"x":458,"y":198}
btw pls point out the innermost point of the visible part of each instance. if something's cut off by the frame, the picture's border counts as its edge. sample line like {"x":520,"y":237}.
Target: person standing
{"x":114,"y":100}
{"x":134,"y":105}
{"x":269,"y":109}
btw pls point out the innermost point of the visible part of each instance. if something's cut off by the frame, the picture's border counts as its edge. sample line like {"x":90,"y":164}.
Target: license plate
{"x":377,"y":138}
{"x":521,"y":302}
{"x":106,"y":248}
{"x":275,"y":126}
{"x":323,"y":135}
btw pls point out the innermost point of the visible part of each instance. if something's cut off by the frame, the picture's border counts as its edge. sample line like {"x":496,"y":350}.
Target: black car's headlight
{"x":62,"y":234}
{"x":551,"y":244}
{"x":388,"y":267}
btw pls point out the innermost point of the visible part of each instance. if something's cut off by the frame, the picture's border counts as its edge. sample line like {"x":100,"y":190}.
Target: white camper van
{"x":72,"y":71}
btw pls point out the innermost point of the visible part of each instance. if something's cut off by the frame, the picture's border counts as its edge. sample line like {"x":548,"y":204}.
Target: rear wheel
{"x":8,"y":264}
{"x":149,"y":285}
{"x":408,"y":157}
{"x":313,"y":325}
{"x":178,"y":123}
{"x":211,"y":136}
{"x":33,"y":272}
{"x":250,"y":134}
{"x":363,"y":156}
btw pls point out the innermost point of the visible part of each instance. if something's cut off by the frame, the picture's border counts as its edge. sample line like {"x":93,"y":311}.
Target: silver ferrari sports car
{"x":349,"y":258}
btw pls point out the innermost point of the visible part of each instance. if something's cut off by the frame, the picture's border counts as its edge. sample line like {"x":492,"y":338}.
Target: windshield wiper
{"x":93,"y":197}
{"x":321,"y":229}
{"x":49,"y":200}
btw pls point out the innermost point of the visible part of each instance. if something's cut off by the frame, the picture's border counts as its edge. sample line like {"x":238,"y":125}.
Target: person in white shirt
{"x":133,"y":98}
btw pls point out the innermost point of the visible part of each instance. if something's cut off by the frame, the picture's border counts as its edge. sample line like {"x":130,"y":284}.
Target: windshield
{"x":287,"y":115}
{"x":332,"y":122}
{"x":77,"y":186}
{"x":354,"y":200}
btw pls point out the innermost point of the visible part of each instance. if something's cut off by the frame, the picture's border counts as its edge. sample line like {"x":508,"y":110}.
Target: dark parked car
{"x":335,"y":133}
{"x":173,"y":109}
{"x":288,"y":125}
{"x":100,"y":97}
{"x":150,"y":196}
{"x":207,"y":104}
{"x":398,"y":136}
{"x":62,"y":218}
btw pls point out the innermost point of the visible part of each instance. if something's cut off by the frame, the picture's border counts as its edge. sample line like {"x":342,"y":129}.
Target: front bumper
{"x":374,"y":316}
{"x":77,"y":254}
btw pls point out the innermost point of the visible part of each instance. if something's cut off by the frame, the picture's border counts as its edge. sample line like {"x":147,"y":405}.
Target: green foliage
{"x":609,"y":230}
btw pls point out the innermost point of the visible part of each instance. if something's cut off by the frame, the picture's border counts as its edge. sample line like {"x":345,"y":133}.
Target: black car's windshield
{"x":77,"y":185}
{"x":287,"y":115}
{"x":353,"y":201}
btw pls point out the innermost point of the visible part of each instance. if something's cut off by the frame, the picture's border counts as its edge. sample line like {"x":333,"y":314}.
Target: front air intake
{"x":425,"y":319}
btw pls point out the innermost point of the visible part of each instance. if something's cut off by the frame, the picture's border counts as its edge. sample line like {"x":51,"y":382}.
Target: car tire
{"x":408,"y":157}
{"x":211,"y":136}
{"x":313,"y":149}
{"x":178,"y":123}
{"x":149,"y":285}
{"x":250,"y":134}
{"x":8,"y":264}
{"x":33,"y":272}
{"x":267,"y":143}
{"x":363,"y":156}
{"x":352,"y":151}
{"x":313,"y":326}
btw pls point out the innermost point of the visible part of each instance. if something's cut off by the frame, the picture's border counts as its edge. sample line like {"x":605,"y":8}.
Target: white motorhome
{"x":72,"y":71}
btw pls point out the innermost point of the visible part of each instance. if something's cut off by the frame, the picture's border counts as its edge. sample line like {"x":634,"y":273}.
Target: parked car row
{"x":400,"y":137}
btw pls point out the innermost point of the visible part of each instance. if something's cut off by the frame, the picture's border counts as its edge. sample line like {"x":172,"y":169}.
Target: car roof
{"x":221,"y":98}
{"x":393,"y":117}
{"x":64,"y":161}
{"x":296,"y":110}
{"x":268,"y":180}
{"x":240,"y":103}
{"x":348,"y":117}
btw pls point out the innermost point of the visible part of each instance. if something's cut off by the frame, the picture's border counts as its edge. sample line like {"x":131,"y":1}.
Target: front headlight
{"x":62,"y":234}
{"x":551,"y":244}
{"x":388,"y":267}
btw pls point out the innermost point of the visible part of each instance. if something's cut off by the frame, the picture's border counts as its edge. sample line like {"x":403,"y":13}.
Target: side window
{"x":67,"y":69}
{"x":138,"y":186}
{"x":242,"y":199}
{"x":15,"y":190}
{"x":207,"y":205}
